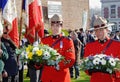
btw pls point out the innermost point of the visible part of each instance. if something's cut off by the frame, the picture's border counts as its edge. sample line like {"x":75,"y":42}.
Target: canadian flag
{"x":33,"y":19}
{"x":9,"y":14}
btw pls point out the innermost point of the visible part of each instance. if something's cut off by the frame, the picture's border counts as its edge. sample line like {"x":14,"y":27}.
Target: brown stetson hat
{"x":56,"y":17}
{"x":100,"y":22}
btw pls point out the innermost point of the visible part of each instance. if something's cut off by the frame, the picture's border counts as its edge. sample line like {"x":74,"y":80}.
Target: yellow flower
{"x":30,"y":55}
{"x":28,"y":48}
{"x":39,"y":52}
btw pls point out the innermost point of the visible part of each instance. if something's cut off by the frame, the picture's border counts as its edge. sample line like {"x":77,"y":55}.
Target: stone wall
{"x":72,"y":11}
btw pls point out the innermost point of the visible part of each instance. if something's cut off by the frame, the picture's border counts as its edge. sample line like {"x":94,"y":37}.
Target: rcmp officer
{"x":65,"y":47}
{"x":103,"y":45}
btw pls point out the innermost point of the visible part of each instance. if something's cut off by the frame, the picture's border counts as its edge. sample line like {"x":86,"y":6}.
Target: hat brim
{"x":106,"y":26}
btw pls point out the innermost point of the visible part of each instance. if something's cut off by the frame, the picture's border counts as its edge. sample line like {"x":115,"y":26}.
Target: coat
{"x":96,"y":48}
{"x":66,"y":48}
{"x":11,"y":66}
{"x":4,"y":57}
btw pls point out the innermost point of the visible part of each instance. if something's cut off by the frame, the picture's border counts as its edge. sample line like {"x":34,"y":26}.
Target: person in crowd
{"x":77,"y":46}
{"x":117,"y":36}
{"x":3,"y":57}
{"x":90,"y":36}
{"x":65,"y":47}
{"x":11,"y":66}
{"x":46,"y":33}
{"x":82,"y":38}
{"x":104,"y":45}
{"x":112,"y":35}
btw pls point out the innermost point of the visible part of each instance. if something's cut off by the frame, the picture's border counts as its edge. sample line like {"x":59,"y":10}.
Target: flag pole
{"x":20,"y":31}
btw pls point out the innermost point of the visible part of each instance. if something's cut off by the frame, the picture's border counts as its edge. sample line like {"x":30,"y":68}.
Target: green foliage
{"x":83,"y":77}
{"x":63,"y":30}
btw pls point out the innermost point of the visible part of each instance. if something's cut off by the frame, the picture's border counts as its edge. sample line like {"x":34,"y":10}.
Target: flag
{"x":33,"y":19}
{"x":40,"y":27}
{"x":84,"y":19}
{"x":29,"y":24}
{"x":1,"y":29}
{"x":9,"y":14}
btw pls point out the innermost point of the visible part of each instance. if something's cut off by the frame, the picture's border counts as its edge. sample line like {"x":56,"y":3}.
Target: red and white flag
{"x":33,"y":19}
{"x":40,"y":27}
{"x":9,"y":14}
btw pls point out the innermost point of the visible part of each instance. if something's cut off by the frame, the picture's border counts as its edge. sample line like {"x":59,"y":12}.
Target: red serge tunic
{"x":66,"y":48}
{"x":96,"y":48}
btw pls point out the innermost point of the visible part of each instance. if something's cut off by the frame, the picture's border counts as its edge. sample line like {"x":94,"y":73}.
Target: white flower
{"x":35,"y":49}
{"x":103,"y":61}
{"x":24,"y":54}
{"x":35,"y":44}
{"x":100,"y":56}
{"x":96,"y":56}
{"x":96,"y":61}
{"x":117,"y":59}
{"x":46,"y":55}
{"x":58,"y":57}
{"x":109,"y":70}
{"x":112,"y":62}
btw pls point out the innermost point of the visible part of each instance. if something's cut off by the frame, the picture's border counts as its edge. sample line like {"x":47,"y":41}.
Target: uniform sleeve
{"x":86,"y":51}
{"x":69,"y":54}
{"x":4,"y":54}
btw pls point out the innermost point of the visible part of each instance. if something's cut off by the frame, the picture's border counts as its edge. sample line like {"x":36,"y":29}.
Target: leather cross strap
{"x":108,"y":45}
{"x":56,"y":41}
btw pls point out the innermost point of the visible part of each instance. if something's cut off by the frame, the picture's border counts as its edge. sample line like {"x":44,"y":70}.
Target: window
{"x":106,"y":12}
{"x":114,"y":27}
{"x":113,"y":11}
{"x":118,"y":12}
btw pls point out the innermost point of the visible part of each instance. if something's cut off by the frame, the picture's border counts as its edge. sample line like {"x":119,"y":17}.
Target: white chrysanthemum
{"x":109,"y":70}
{"x":35,"y":49}
{"x":117,"y":59}
{"x":103,"y":61}
{"x":100,"y":56}
{"x":96,"y":56}
{"x":35,"y":43}
{"x":96,"y":61}
{"x":46,"y":55}
{"x":112,"y":62}
{"x":24,"y":54}
{"x":58,"y":57}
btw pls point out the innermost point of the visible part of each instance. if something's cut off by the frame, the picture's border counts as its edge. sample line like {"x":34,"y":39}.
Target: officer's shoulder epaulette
{"x":66,"y":37}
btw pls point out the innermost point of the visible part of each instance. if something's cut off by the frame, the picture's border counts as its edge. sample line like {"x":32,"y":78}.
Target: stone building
{"x":72,"y":12}
{"x":111,"y":11}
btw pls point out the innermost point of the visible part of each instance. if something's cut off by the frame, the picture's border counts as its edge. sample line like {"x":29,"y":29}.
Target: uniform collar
{"x":56,"y":36}
{"x":103,"y":41}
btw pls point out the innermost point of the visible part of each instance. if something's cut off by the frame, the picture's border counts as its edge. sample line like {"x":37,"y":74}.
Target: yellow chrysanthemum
{"x":30,"y":55}
{"x":28,"y":48}
{"x":39,"y":52}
